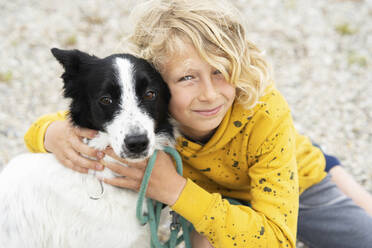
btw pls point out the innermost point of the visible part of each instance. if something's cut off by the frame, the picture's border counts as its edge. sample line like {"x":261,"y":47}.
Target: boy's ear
{"x":71,"y":60}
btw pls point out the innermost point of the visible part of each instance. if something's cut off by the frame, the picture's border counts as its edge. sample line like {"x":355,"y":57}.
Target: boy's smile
{"x":209,"y":112}
{"x":201,"y":95}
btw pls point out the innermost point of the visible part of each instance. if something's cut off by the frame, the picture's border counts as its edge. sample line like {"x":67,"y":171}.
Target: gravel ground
{"x":320,"y":51}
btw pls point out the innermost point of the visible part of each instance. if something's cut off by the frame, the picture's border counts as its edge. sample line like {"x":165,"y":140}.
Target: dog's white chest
{"x":58,"y":212}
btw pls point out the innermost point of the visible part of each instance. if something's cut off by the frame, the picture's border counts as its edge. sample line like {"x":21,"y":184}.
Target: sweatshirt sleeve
{"x":271,"y":220}
{"x":34,"y":137}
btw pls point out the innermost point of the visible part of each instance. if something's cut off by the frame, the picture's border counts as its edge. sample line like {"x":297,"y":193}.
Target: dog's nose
{"x":136,"y":143}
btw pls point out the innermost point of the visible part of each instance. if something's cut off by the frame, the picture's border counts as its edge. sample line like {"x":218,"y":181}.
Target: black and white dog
{"x":44,"y":204}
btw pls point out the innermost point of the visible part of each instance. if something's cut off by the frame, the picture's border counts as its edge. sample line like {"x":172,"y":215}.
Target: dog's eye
{"x":105,"y":100}
{"x":149,"y":95}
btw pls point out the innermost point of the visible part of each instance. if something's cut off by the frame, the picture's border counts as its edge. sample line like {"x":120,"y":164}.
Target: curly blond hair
{"x":216,"y":31}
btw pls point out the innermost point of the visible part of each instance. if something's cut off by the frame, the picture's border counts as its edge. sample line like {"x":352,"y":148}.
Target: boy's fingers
{"x":109,"y":151}
{"x":81,"y":161}
{"x":82,"y":148}
{"x":80,"y":169}
{"x":119,"y":169}
{"x":71,"y":165}
{"x":124,"y":171}
{"x":85,"y":132}
{"x":122,"y":182}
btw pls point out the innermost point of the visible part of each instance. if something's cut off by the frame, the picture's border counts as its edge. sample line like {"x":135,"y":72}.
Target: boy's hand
{"x":165,"y":184}
{"x":65,"y":142}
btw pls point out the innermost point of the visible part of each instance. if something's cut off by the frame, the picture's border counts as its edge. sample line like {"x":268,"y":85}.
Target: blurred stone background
{"x":320,"y":52}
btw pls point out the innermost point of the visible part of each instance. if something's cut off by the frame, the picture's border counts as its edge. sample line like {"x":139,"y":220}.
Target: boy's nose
{"x":208,"y":91}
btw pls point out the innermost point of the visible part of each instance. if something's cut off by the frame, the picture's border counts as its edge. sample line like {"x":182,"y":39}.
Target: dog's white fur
{"x":112,"y":219}
{"x":40,"y":197}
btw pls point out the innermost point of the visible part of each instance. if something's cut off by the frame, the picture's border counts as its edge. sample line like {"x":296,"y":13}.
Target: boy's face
{"x":201,"y":95}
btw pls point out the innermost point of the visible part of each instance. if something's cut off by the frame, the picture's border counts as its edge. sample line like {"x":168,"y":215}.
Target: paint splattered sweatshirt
{"x":255,"y":156}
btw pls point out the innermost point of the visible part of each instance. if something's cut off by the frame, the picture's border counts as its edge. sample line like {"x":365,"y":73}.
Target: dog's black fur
{"x":90,"y":82}
{"x":124,"y":98}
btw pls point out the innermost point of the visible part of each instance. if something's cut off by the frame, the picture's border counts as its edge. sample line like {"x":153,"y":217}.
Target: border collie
{"x":44,"y":204}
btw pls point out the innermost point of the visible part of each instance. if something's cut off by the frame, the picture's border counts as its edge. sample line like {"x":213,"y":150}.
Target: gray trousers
{"x":330,"y":219}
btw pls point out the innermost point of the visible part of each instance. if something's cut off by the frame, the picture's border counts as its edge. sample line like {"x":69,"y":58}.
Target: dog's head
{"x":122,"y":96}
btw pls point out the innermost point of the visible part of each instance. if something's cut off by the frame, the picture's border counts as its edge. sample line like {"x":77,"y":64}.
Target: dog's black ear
{"x":71,"y":60}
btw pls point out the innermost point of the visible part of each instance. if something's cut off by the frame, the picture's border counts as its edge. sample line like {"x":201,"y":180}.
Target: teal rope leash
{"x":153,"y":216}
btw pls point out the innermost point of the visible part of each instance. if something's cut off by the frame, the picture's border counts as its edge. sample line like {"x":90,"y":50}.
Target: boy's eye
{"x":216,"y":72}
{"x":185,"y":78}
{"x":149,"y":95}
{"x":105,"y":100}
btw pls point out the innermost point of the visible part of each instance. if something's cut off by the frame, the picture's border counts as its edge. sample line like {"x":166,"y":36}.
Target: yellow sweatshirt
{"x":256,"y":156}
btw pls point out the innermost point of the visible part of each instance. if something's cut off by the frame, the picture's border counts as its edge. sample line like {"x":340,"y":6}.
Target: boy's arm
{"x":34,"y":137}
